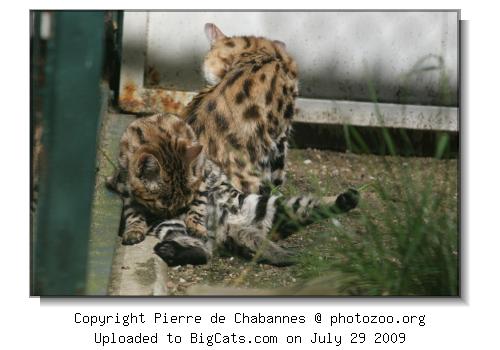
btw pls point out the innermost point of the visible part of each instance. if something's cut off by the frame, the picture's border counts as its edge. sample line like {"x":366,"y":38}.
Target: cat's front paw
{"x":195,"y":229}
{"x":132,"y":237}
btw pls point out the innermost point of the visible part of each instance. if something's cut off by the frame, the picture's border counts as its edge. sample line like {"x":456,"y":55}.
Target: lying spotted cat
{"x":166,"y":179}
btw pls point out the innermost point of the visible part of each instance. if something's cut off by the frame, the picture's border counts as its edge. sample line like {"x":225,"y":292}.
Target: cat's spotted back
{"x":243,"y":119}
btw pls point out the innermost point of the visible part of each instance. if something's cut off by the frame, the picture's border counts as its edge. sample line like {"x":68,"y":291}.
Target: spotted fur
{"x":170,"y":189}
{"x":243,"y":223}
{"x":243,"y":119}
{"x":155,"y":175}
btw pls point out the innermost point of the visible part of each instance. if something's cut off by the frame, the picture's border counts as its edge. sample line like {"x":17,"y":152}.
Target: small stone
{"x":182,"y":280}
{"x":336,"y":223}
{"x":307,"y":161}
{"x":170,"y":285}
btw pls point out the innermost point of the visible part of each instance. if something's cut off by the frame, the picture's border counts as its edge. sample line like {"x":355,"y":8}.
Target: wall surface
{"x":401,"y":57}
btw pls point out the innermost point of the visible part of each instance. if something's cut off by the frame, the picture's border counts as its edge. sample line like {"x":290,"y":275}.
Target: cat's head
{"x":226,"y":51}
{"x":162,"y":174}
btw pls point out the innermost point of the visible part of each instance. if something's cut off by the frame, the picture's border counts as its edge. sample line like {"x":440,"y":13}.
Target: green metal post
{"x":71,"y":107}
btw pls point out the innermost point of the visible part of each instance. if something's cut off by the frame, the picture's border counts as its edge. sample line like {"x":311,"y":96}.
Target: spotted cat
{"x":243,"y":119}
{"x":166,"y":180}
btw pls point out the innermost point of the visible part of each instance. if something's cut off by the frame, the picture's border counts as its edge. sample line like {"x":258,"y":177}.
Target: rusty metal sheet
{"x":160,"y":75}
{"x":136,"y":99}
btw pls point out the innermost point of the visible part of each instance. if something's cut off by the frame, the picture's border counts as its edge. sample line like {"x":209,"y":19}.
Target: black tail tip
{"x":348,"y":200}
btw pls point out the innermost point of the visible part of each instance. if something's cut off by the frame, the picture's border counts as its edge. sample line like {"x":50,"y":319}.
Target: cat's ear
{"x":213,"y":33}
{"x":280,"y":44}
{"x":192,"y":153}
{"x":148,"y":167}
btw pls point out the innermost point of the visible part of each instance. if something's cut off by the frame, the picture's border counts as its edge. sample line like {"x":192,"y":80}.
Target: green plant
{"x":405,"y":240}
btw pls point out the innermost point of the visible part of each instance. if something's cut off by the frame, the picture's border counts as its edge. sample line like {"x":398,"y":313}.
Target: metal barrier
{"x":70,"y":95}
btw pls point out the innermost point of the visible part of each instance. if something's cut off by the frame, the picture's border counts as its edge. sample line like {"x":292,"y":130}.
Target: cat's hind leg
{"x":282,"y":217}
{"x":295,"y":213}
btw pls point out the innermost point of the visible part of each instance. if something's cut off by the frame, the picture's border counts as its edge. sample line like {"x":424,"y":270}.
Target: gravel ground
{"x":319,"y":173}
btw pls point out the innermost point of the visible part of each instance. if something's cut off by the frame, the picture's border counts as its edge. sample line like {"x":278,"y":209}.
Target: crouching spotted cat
{"x":166,"y":180}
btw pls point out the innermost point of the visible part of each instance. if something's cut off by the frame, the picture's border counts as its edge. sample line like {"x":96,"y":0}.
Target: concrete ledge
{"x":137,"y":271}
{"x":377,"y":115}
{"x":113,"y":268}
{"x":106,"y":206}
